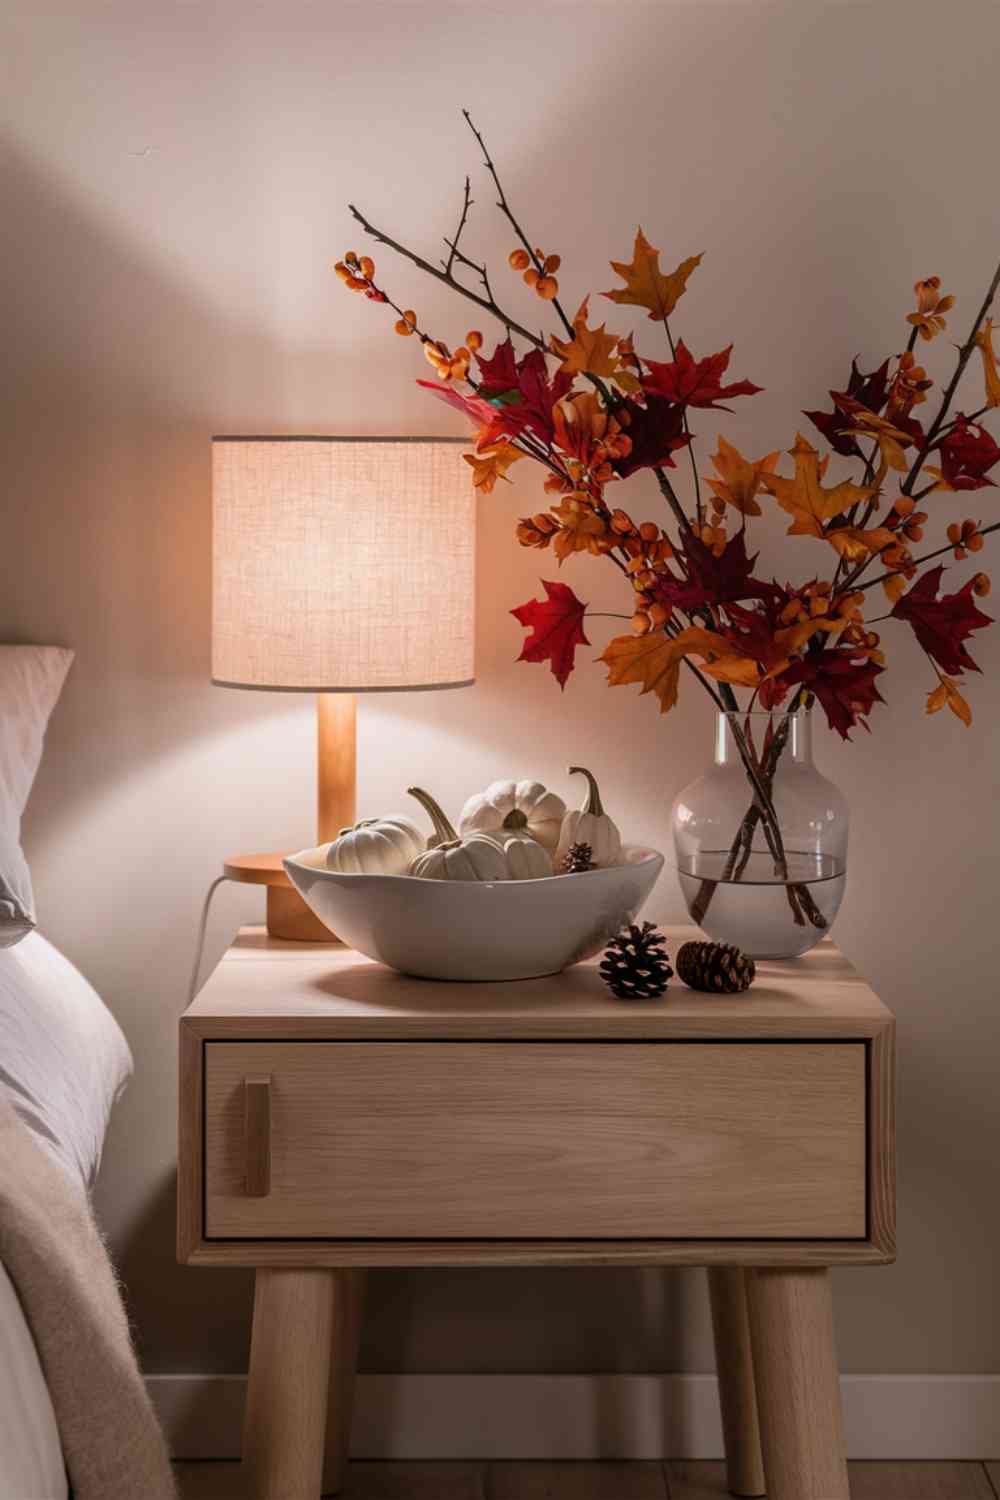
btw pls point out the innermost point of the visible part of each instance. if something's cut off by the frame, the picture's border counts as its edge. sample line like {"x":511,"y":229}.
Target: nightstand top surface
{"x":264,"y":987}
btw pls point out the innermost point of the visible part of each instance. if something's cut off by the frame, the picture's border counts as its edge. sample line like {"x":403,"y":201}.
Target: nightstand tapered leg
{"x":348,"y":1316}
{"x":293,"y":1315}
{"x":798,"y":1389}
{"x":737,"y":1392}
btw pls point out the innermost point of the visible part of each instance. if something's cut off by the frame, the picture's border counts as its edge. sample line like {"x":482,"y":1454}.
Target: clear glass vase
{"x":761,"y":838}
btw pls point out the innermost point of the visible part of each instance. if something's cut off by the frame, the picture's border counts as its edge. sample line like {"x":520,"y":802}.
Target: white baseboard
{"x":590,"y":1416}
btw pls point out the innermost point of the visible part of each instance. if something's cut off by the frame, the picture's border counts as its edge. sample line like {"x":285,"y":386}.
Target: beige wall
{"x":175,"y":181}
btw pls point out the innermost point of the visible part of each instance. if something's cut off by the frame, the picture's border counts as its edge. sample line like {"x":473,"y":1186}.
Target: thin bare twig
{"x":453,"y":244}
{"x":507,"y":212}
{"x":449,"y":280}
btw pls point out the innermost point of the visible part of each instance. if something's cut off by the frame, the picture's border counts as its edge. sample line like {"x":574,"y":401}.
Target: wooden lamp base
{"x":288,"y":916}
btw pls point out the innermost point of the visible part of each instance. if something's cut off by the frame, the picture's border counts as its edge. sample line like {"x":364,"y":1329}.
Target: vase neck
{"x":737,"y":735}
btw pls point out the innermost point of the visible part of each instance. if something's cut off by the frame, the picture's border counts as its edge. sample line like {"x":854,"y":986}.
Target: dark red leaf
{"x":715,"y":580}
{"x":843,"y":682}
{"x":492,"y":421}
{"x":694,"y":382}
{"x":538,"y":394}
{"x":870,"y":391}
{"x":498,"y":374}
{"x":556,"y":626}
{"x":656,"y":431}
{"x":966,"y":454}
{"x":941,"y":625}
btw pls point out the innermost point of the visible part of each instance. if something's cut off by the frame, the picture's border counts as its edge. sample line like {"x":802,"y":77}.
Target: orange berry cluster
{"x":648,"y":550}
{"x":909,"y":520}
{"x":451,"y":366}
{"x":814,"y":603}
{"x":543,"y":281}
{"x":964,"y":538}
{"x":358,"y":275}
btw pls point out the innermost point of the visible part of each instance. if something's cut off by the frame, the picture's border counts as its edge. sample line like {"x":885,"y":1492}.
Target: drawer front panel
{"x":519,"y":1140}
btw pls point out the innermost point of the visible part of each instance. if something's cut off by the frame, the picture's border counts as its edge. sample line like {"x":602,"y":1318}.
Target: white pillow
{"x":31,"y":679}
{"x":63,"y":1058}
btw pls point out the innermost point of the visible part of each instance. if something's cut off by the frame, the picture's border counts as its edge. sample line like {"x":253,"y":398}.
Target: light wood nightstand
{"x":335,"y":1115}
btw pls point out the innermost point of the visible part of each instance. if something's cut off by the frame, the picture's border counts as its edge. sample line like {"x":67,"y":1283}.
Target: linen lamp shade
{"x":342,"y":565}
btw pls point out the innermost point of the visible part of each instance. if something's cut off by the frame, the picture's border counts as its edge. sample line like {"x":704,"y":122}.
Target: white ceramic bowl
{"x":473,"y":930}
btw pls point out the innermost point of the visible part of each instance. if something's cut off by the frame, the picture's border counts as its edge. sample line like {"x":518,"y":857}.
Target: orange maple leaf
{"x":582,"y":529}
{"x":804,"y":497}
{"x":740,"y":477}
{"x":654,"y":660}
{"x":591,"y":351}
{"x":492,"y":464}
{"x":645,"y":284}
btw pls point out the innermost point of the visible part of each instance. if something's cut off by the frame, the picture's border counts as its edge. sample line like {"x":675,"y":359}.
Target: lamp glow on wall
{"x":340,"y":566}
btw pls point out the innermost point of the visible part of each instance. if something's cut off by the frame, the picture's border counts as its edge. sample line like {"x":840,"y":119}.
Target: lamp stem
{"x":336,"y":763}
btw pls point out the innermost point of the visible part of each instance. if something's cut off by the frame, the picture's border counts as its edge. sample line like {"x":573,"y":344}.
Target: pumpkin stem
{"x":515,"y":820}
{"x":442,"y":827}
{"x":593,"y":803}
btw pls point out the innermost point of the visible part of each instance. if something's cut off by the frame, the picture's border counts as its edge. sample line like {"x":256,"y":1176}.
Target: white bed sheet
{"x":31,"y":1461}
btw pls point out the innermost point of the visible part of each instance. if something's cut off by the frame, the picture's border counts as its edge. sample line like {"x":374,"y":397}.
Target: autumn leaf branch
{"x":964,"y":355}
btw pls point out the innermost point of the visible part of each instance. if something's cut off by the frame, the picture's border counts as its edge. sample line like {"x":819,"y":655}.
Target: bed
{"x":74,"y":1415}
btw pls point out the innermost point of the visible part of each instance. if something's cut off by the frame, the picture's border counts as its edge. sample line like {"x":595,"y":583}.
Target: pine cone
{"x":719,"y":968}
{"x":635,"y":964}
{"x":577,"y":859}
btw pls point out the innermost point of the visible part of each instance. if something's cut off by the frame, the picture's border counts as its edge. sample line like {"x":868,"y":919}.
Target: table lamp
{"x":340,"y":566}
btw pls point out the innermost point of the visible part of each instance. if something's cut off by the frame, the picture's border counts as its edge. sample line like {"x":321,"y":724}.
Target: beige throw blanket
{"x":50,"y":1247}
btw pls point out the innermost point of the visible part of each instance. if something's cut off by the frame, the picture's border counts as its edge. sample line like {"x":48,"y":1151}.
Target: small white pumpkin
{"x":376,"y":846}
{"x":521,"y":807}
{"x":449,"y":857}
{"x":526,"y":858}
{"x":590,"y":825}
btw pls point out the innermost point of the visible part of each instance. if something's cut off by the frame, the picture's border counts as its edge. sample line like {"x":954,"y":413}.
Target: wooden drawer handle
{"x":257,"y":1134}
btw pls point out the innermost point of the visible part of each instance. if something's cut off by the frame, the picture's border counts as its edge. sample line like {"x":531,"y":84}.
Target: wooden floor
{"x":599,"y":1481}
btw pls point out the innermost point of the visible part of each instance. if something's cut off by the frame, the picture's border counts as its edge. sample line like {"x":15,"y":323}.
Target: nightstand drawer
{"x":535,"y":1140}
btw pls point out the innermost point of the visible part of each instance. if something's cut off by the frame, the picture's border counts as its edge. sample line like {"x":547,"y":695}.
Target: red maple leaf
{"x":966,"y":454}
{"x":843,"y":682}
{"x":695,"y":382}
{"x":656,"y":431}
{"x":870,"y":391}
{"x":556,"y":626}
{"x":941,"y":625}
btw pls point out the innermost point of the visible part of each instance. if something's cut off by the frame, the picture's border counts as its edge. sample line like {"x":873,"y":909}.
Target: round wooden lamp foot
{"x":288,"y":916}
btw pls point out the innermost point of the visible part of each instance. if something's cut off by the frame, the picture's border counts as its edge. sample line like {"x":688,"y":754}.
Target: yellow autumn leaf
{"x":646,"y":285}
{"x":805,"y":499}
{"x":591,"y":351}
{"x":891,"y":441}
{"x":984,"y":342}
{"x":739,"y":478}
{"x":654,"y":660}
{"x":854,"y":544}
{"x":492,"y":464}
{"x":894,"y":587}
{"x":947,"y":692}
